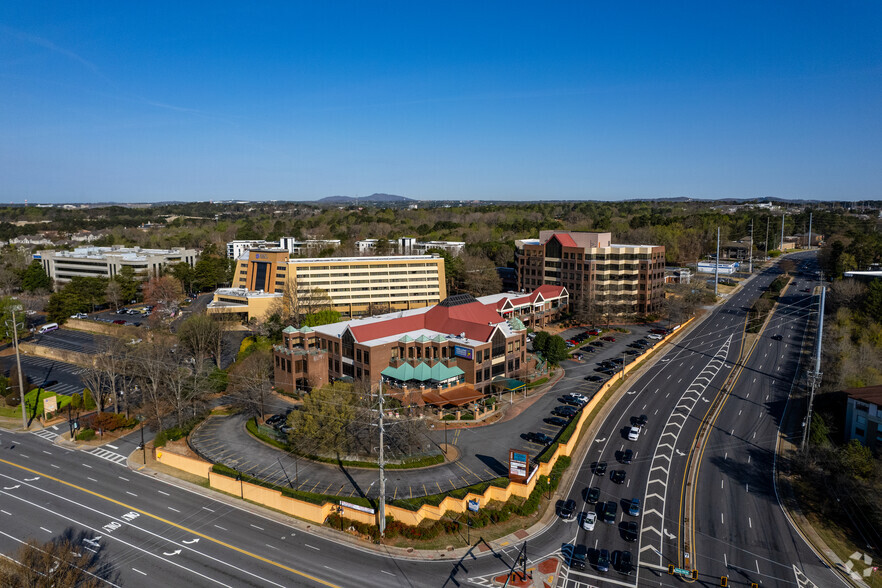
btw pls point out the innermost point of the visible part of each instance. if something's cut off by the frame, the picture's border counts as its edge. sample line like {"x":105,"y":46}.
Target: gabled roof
{"x":422,"y":372}
{"x":564,"y":239}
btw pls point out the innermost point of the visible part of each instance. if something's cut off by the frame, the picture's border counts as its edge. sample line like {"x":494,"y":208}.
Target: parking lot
{"x":70,"y":340}
{"x":57,"y":376}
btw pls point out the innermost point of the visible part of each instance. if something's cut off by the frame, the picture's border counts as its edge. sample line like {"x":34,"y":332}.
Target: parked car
{"x":603,"y":561}
{"x":572,"y":400}
{"x":592,"y":495}
{"x":568,"y":510}
{"x":634,"y":434}
{"x":556,"y":421}
{"x":589,"y":519}
{"x":79,"y":315}
{"x":597,"y":343}
{"x":594,"y":378}
{"x":621,"y":562}
{"x":609,"y":338}
{"x":632,"y":352}
{"x":609,"y":512}
{"x":540,"y":438}
{"x":654,"y":337}
{"x":617,"y":476}
{"x":777,"y":337}
{"x":600,"y":468}
{"x":629,"y":531}
{"x":565,"y":411}
{"x":595,"y":331}
{"x":119,"y":322}
{"x":634,"y":507}
{"x":658,"y":331}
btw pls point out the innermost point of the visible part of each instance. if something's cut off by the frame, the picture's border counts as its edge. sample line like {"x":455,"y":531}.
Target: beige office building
{"x":106,"y":262}
{"x":357,"y":286}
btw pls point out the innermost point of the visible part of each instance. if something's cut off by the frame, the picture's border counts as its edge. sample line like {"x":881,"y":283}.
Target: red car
{"x":595,"y":332}
{"x":119,"y":322}
{"x":658,"y":331}
{"x":610,"y":339}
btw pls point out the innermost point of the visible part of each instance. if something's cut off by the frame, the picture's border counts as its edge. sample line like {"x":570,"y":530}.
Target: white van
{"x":48,"y":327}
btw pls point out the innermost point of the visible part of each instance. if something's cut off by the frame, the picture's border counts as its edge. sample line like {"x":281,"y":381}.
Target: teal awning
{"x":422,"y":372}
{"x":509,"y":385}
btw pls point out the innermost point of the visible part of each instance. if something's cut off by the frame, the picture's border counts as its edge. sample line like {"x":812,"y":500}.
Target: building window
{"x":348,"y":346}
{"x":358,"y":355}
{"x":498,"y":344}
{"x":860,"y":432}
{"x":366,"y":356}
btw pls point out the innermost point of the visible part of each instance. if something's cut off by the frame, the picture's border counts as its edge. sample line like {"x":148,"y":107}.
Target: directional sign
{"x":682,"y":572}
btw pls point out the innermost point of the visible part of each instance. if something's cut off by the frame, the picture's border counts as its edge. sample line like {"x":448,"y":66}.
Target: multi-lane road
{"x":153,"y":532}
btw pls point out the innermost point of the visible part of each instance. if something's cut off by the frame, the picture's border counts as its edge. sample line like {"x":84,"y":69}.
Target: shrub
{"x":111,"y":421}
{"x":88,"y":400}
{"x":13,"y":399}
{"x":86,"y":435}
{"x":160,"y":440}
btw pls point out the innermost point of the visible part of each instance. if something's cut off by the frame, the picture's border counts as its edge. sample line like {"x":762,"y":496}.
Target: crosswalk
{"x":108,"y":455}
{"x":65,"y":389}
{"x":47,"y":434}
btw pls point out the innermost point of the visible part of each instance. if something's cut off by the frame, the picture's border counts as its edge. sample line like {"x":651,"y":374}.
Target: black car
{"x":627,"y":456}
{"x":777,"y":337}
{"x":564,"y":411}
{"x":593,"y":495}
{"x":621,"y":561}
{"x":603,"y":561}
{"x":540,"y":438}
{"x":556,"y":421}
{"x":568,"y":510}
{"x":629,"y":530}
{"x":641,"y":421}
{"x":617,"y":476}
{"x":589,"y":349}
{"x":580,"y":557}
{"x":636,"y":345}
{"x":594,"y":378}
{"x":609,"y":512}
{"x":600,"y":468}
{"x":572,"y":400}
{"x":632,"y":352}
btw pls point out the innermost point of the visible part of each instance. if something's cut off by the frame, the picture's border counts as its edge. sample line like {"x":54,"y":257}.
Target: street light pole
{"x":143,"y":447}
{"x":24,"y":418}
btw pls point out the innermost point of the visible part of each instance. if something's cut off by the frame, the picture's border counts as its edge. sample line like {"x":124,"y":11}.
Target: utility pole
{"x":750,"y":268}
{"x":21,"y":391}
{"x":717,"y":265}
{"x":382,"y":463}
{"x":768,"y":221}
{"x":814,"y":375}
{"x":782,"y":231}
{"x":810,"y":232}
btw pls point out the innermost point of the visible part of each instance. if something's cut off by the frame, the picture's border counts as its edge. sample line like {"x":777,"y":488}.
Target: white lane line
{"x":123,"y":479}
{"x":55,"y":466}
{"x":750,"y":522}
{"x":721,"y":483}
{"x":311,"y":547}
{"x":131,"y":493}
{"x":90,"y":467}
{"x":256,"y":527}
{"x":270,"y":546}
{"x":206,"y":508}
{"x":163,"y":493}
{"x":722,"y":521}
{"x":174,"y":509}
{"x":93,"y":479}
{"x":219,"y":527}
{"x":111,"y":446}
{"x":387,"y":573}
{"x":139,"y":571}
{"x":6,"y":513}
{"x":45,"y":529}
{"x":47,"y":452}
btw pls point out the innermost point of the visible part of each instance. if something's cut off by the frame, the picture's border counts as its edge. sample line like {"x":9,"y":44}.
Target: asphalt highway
{"x":153,"y":532}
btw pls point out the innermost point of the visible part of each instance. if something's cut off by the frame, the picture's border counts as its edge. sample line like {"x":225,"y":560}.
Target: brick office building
{"x":456,"y":349}
{"x":629,"y":278}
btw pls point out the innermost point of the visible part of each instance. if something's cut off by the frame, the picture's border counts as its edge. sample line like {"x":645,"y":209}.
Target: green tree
{"x":556,"y":350}
{"x":79,"y":295}
{"x":129,"y":285}
{"x":185,"y":274}
{"x":857,"y":460}
{"x":873,"y":301}
{"x":540,"y":342}
{"x":35,"y":278}
{"x":321,"y":424}
{"x":322,"y":317}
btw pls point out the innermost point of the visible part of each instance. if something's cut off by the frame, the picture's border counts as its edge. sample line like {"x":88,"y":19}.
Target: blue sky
{"x":147,"y":101}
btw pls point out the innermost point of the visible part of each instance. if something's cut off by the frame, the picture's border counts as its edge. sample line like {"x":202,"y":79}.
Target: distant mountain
{"x":371,"y":198}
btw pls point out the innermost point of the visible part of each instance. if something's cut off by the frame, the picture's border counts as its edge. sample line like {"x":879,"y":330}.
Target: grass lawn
{"x":36,"y":395}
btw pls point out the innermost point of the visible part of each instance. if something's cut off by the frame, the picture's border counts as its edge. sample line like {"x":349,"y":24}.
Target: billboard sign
{"x":50,"y":405}
{"x":518,"y":465}
{"x":463,"y":352}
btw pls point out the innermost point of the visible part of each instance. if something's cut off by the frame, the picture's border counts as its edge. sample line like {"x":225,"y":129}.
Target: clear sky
{"x":147,"y":101}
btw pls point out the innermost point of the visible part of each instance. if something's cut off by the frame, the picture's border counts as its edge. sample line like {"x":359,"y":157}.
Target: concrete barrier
{"x":65,"y":355}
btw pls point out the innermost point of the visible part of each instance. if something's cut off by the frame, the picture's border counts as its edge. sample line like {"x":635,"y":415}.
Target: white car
{"x":654,"y":336}
{"x":589,"y":519}
{"x":634,"y":433}
{"x":79,"y":315}
{"x":579,"y":396}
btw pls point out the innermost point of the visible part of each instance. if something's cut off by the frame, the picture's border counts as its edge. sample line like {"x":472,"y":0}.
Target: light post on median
{"x":24,"y":418}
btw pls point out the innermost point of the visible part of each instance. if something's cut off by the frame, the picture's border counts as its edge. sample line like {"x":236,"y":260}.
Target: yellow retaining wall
{"x":65,"y":355}
{"x":191,"y":465}
{"x":318,"y":513}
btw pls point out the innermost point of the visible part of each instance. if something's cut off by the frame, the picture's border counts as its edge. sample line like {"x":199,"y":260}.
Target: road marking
{"x":88,"y":466}
{"x":256,"y":527}
{"x":750,"y":522}
{"x":219,"y":527}
{"x":54,"y":466}
{"x":111,"y":446}
{"x":176,"y":525}
{"x":131,"y":494}
{"x":206,"y":508}
{"x":45,"y":529}
{"x":139,"y":571}
{"x":722,"y":521}
{"x":6,"y":513}
{"x":174,"y":509}
{"x":123,"y":479}
{"x":163,"y":493}
{"x":312,"y":546}
{"x":387,"y":573}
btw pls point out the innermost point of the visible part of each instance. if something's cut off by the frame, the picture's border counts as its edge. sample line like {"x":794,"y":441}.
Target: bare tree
{"x":252,"y":382}
{"x":199,"y":336}
{"x":847,"y":293}
{"x":112,"y":360}
{"x":295,"y":304}
{"x":150,"y":361}
{"x":59,"y":562}
{"x":114,"y":293}
{"x":480,"y":277}
{"x":166,"y":293}
{"x":95,"y":379}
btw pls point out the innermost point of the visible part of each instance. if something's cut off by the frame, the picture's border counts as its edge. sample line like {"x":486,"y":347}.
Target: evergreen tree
{"x":35,"y":278}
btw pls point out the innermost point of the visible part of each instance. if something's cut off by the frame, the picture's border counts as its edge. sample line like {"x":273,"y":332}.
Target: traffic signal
{"x":694,"y":574}
{"x":724,"y":581}
{"x":671,"y":569}
{"x":754,"y":585}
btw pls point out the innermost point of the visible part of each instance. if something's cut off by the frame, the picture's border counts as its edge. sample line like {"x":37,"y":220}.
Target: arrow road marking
{"x":600,"y":440}
{"x":190,"y":541}
{"x":175,"y":552}
{"x":11,"y":487}
{"x":670,"y":535}
{"x":680,"y":453}
{"x":32,"y":479}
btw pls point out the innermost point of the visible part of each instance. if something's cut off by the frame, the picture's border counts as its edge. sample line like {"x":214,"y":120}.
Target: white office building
{"x":106,"y":262}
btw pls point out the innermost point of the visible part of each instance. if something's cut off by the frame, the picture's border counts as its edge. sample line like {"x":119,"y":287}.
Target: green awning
{"x":422,"y":372}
